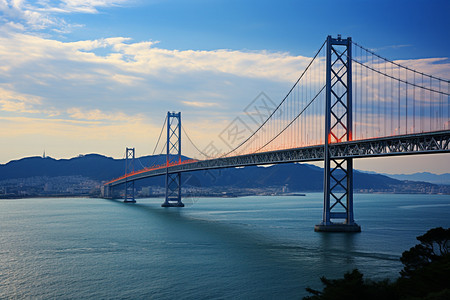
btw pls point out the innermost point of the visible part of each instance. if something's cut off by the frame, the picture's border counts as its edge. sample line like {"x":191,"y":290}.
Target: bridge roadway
{"x":423,"y":143}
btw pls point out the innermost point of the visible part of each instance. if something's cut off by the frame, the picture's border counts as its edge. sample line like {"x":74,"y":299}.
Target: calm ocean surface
{"x":214,"y":248}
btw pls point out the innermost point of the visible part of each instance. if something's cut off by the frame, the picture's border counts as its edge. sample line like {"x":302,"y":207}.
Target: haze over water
{"x":248,"y":248}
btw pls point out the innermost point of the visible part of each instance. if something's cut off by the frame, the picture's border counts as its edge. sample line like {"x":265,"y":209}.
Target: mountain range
{"x":294,"y":176}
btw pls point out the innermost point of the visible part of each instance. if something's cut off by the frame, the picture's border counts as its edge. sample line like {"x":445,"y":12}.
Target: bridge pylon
{"x":129,"y":168}
{"x":338,"y":172}
{"x":173,"y":180}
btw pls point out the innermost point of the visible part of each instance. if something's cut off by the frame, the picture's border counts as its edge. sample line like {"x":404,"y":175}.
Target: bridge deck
{"x":423,"y":143}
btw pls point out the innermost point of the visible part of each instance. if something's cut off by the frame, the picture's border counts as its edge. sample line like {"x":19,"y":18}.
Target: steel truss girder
{"x":437,"y":142}
{"x":413,"y":144}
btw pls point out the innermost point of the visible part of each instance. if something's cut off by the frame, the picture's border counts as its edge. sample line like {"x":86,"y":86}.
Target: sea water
{"x":214,"y":248}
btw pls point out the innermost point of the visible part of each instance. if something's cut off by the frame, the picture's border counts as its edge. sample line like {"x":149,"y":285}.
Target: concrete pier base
{"x":337,"y":227}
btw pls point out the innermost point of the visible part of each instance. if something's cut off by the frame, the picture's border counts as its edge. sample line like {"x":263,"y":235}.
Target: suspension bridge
{"x":348,"y":103}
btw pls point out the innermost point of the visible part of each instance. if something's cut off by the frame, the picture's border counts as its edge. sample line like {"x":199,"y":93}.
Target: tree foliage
{"x":426,"y":275}
{"x":353,"y":287}
{"x":433,"y":247}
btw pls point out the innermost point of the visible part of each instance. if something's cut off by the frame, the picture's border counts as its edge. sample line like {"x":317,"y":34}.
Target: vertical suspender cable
{"x":440,"y":108}
{"x":392,"y":99}
{"x":384,"y":99}
{"x":355,"y":104}
{"x":373,"y":101}
{"x":406,"y":98}
{"x":398,"y":126}
{"x":361,"y":99}
{"x":422,"y":102}
{"x":431,"y":106}
{"x":295,"y":126}
{"x":367,"y":98}
{"x":308,"y":82}
{"x":378,"y":101}
{"x":414,"y":101}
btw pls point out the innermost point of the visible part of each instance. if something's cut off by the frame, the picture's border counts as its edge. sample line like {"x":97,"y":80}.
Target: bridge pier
{"x":173,"y":180}
{"x":173,"y":191}
{"x":106,"y":191}
{"x":338,"y":173}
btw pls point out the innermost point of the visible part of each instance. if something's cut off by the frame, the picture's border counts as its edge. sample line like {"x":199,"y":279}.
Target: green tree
{"x":433,"y":247}
{"x":426,"y":272}
{"x":425,"y":275}
{"x":353,"y":287}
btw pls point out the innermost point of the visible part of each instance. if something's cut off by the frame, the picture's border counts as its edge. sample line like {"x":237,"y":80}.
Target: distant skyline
{"x":80,"y":77}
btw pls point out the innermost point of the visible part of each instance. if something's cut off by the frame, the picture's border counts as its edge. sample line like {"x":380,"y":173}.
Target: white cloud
{"x":129,"y":82}
{"x":199,"y":104}
{"x":44,"y":14}
{"x":74,"y":70}
{"x":12,"y":101}
{"x":85,"y":6}
{"x":97,"y":114}
{"x":111,"y":86}
{"x":389,"y":47}
{"x":143,"y":58}
{"x":437,"y":66}
{"x":126,"y":71}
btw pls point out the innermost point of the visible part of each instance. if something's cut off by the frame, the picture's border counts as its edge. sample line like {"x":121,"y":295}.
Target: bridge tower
{"x":173,"y":180}
{"x":338,"y":173}
{"x":129,"y":168}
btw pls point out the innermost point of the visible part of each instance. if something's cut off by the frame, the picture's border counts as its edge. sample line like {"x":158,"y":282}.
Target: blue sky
{"x":97,"y":76}
{"x":294,"y":26}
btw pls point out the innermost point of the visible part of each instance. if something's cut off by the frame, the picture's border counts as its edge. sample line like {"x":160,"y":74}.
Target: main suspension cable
{"x":282,"y":101}
{"x":187,"y":135}
{"x":399,"y":79}
{"x":301,"y":112}
{"x":397,"y":64}
{"x":160,"y":134}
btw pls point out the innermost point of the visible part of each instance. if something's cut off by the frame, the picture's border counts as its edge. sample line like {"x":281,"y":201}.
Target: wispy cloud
{"x":47,"y":14}
{"x":131,"y":82}
{"x":390,"y":47}
{"x":199,"y":104}
{"x":98,"y":115}
{"x":16,"y":102}
{"x":127,"y":83}
{"x":48,"y":68}
{"x":437,"y":66}
{"x":144,"y":58}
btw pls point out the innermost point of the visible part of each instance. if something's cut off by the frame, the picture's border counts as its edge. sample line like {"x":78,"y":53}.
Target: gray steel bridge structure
{"x":370,"y":107}
{"x":425,"y":143}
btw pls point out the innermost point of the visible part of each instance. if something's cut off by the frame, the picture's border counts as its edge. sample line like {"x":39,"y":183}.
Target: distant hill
{"x":94,"y":166}
{"x":423,"y":176}
{"x":297,"y":177}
